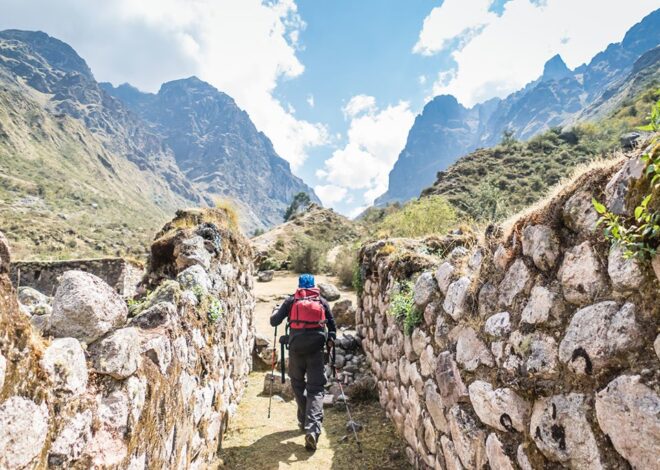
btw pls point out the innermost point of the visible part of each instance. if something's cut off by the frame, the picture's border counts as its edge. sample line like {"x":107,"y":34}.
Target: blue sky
{"x":335,"y":84}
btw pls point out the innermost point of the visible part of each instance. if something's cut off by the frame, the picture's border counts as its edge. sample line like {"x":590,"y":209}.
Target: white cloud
{"x":359,"y":104}
{"x":496,"y":55}
{"x":242,"y":47}
{"x":452,"y":20}
{"x":375,"y":139}
{"x":330,"y":194}
{"x":310,"y":100}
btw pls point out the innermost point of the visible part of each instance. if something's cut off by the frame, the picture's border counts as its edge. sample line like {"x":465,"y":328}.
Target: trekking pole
{"x":272,"y":372}
{"x":333,"y":356}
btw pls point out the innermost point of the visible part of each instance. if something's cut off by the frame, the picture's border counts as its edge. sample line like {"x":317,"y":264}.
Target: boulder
{"x":626,"y":274}
{"x":537,"y":351}
{"x":419,"y":340}
{"x":469,"y":439}
{"x":471,"y":351}
{"x":23,"y":431}
{"x":497,"y":459}
{"x":265,"y":276}
{"x":630,"y":140}
{"x":41,"y":323}
{"x":64,"y":362}
{"x":424,"y":290}
{"x":522,"y":459}
{"x":540,"y":243}
{"x":617,"y":188}
{"x":195,"y":278}
{"x":431,"y":312}
{"x":487,"y":299}
{"x":579,"y":214}
{"x":436,"y":408}
{"x":629,"y":413}
{"x":85,"y":307}
{"x":158,"y":348}
{"x":596,"y":334}
{"x":192,"y":252}
{"x":443,"y":276}
{"x":452,"y":461}
{"x":581,"y":275}
{"x":329,"y":292}
{"x":117,"y":355}
{"x":517,"y":281}
{"x":71,"y":440}
{"x":35,"y":302}
{"x":561,"y":431}
{"x":159,"y":314}
{"x":427,"y":361}
{"x":543,"y":304}
{"x":5,"y":254}
{"x":502,"y":408}
{"x":455,"y":303}
{"x":278,"y":388}
{"x":656,"y":347}
{"x":502,"y":257}
{"x":498,"y":325}
{"x":344,"y":313}
{"x":448,"y":377}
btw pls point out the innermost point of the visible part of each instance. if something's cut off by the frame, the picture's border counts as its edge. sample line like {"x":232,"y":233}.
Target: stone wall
{"x":535,"y":347}
{"x":151,"y":384}
{"x":121,"y":274}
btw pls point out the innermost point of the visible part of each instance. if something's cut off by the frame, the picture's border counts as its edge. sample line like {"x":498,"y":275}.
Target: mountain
{"x":218,"y":147}
{"x":82,"y":163}
{"x":446,"y":130}
{"x":77,"y":168}
{"x":491,"y":183}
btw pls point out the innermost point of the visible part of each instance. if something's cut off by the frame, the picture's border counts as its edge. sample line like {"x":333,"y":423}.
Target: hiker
{"x":308,"y":314}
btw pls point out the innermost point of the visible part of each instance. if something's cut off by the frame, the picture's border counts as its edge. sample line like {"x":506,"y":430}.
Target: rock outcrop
{"x":541,"y":343}
{"x":156,"y":386}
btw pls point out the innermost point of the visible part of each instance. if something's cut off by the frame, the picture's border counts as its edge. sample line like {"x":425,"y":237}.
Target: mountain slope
{"x":555,"y":98}
{"x":77,"y":169}
{"x":218,"y":147}
{"x":491,"y":183}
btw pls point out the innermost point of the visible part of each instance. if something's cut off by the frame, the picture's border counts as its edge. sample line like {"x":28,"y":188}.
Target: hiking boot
{"x":310,"y":441}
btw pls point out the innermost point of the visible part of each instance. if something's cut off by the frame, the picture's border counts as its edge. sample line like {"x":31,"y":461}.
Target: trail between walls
{"x":257,"y":443}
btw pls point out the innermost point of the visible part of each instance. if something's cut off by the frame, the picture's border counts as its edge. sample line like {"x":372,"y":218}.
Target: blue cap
{"x":306,"y":281}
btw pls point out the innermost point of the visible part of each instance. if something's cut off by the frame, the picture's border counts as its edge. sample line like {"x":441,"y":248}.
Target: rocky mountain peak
{"x":555,"y":69}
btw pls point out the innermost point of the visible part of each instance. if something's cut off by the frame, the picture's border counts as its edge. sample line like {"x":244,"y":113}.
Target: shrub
{"x":426,"y":216}
{"x":308,"y":256}
{"x":358,"y":282}
{"x":403,"y":308}
{"x":300,"y":200}
{"x":344,"y":266}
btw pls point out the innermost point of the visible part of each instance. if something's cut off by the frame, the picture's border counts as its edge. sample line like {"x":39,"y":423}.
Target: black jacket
{"x":285,"y":309}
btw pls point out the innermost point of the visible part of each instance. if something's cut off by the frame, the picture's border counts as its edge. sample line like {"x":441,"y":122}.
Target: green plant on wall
{"x":215,"y":310}
{"x":403,"y":308}
{"x":639,"y":235}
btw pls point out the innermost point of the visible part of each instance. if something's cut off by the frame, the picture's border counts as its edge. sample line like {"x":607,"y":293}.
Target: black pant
{"x":307,"y":373}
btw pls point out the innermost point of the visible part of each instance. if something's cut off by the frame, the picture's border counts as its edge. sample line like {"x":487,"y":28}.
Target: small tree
{"x":299,"y":200}
{"x":508,"y":138}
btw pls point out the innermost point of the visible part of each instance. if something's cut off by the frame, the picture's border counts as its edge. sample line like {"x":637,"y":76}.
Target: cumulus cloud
{"x":330,"y":194}
{"x":242,"y":47}
{"x":376,"y":136}
{"x":498,"y":54}
{"x":359,"y":104}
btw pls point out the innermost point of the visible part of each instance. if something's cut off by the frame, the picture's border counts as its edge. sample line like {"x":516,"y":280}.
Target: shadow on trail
{"x":270,"y":450}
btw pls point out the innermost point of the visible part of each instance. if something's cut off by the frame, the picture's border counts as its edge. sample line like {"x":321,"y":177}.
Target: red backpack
{"x":307,"y":310}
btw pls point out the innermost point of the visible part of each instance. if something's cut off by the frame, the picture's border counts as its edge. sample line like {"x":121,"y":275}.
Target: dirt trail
{"x":257,"y":443}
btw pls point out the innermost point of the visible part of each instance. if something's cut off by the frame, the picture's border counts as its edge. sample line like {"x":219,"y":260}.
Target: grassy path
{"x":255,"y":442}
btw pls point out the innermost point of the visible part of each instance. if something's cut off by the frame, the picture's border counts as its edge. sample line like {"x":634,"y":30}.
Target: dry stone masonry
{"x":535,"y":349}
{"x":87,"y":381}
